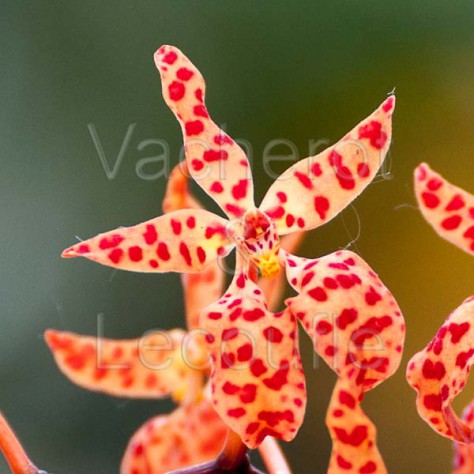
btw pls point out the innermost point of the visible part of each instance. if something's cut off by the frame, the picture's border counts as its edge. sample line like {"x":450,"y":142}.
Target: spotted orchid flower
{"x":439,"y":372}
{"x":155,"y":366}
{"x":257,"y":382}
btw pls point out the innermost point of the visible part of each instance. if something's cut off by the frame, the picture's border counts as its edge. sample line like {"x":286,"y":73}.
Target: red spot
{"x":235,"y":210}
{"x":230,"y":333}
{"x":387,"y":107}
{"x":194,"y":127}
{"x":214,"y":315}
{"x":347,"y":316}
{"x":451,"y":223}
{"x":290,"y":220}
{"x":110,"y":242}
{"x":342,"y":463}
{"x":197,"y":165}
{"x":200,"y":111}
{"x":151,"y":381}
{"x":457,"y":331}
{"x":244,"y":353}
{"x":252,"y":428}
{"x":253,"y":314}
{"x":223,"y":139}
{"x":240,"y":282}
{"x":75,"y":362}
{"x":249,"y":393}
{"x":239,"y":191}
{"x":184,"y":251}
{"x":318,"y":294}
{"x":170,"y":58}
{"x":201,"y":253}
{"x":304,"y":180}
{"x":432,"y":402}
{"x":273,"y":334}
{"x":257,"y":367}
{"x":276,"y":212}
{"x":345,"y":398}
{"x":368,"y":468}
{"x":373,"y":132}
{"x":282,"y":196}
{"x":363,"y":170}
{"x":83,"y":248}
{"x":354,"y":438}
{"x":191,"y":222}
{"x":343,"y":173}
{"x":162,"y":251}
{"x":278,"y":379}
{"x":456,"y":203}
{"x":176,"y":90}
{"x":316,"y":169}
{"x":116,"y":255}
{"x":321,"y":205}
{"x":153,"y":263}
{"x":230,"y":389}
{"x":434,"y":184}
{"x":135,"y":253}
{"x":323,"y":327}
{"x":236,"y":412}
{"x":150,"y":235}
{"x":434,"y":370}
{"x":184,"y":74}
{"x":176,"y":226}
{"x":198,"y":94}
{"x":273,"y":418}
{"x":330,"y":283}
{"x":215,"y":155}
{"x":372,"y":297}
{"x":431,"y":200}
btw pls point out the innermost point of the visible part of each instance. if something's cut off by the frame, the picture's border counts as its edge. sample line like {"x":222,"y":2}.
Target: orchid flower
{"x":439,"y":372}
{"x":193,"y":433}
{"x":257,"y":382}
{"x":14,"y":453}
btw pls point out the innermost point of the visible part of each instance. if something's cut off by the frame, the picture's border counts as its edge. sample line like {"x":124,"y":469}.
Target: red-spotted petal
{"x":351,"y":316}
{"x":257,"y":381}
{"x":439,"y":372}
{"x":354,"y":448}
{"x":189,"y":435}
{"x":464,"y":453}
{"x":316,"y":189}
{"x":447,"y":208}
{"x":215,"y":161}
{"x":181,"y":241}
{"x":151,"y":367}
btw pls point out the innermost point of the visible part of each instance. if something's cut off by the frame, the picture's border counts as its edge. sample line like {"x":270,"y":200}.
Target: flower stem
{"x":13,"y":450}
{"x":232,"y":453}
{"x":273,"y":457}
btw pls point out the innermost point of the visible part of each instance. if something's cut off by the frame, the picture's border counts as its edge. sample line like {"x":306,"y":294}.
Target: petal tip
{"x":388,"y":105}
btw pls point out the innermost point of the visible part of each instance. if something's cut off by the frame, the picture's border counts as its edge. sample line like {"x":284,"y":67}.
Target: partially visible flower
{"x":257,"y":396}
{"x":464,"y":453}
{"x":449,"y":209}
{"x":439,"y":372}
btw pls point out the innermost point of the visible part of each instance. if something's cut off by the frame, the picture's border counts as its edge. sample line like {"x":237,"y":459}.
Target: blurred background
{"x":301,"y":71}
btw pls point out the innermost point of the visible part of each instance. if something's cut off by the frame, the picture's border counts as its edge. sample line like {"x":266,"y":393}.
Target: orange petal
{"x":150,"y":367}
{"x":464,"y":453}
{"x":181,"y":241}
{"x":214,"y":160}
{"x":447,"y":208}
{"x":257,"y":381}
{"x":189,"y":435}
{"x":316,"y":189}
{"x":178,"y":195}
{"x":439,"y":372}
{"x":352,"y":318}
{"x":353,"y":435}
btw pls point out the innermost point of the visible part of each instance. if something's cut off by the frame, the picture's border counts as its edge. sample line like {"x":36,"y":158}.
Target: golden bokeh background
{"x":301,"y":71}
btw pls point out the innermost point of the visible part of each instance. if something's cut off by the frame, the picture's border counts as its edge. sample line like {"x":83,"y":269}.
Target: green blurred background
{"x":296,"y":70}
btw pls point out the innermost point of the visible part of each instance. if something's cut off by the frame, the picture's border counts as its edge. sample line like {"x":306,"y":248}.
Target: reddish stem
{"x":13,"y":451}
{"x":273,"y":457}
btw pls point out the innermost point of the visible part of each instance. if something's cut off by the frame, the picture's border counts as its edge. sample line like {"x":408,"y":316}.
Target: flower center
{"x":259,"y":241}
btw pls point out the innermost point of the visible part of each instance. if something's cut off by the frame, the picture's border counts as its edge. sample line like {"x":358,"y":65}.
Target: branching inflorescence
{"x":257,"y":385}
